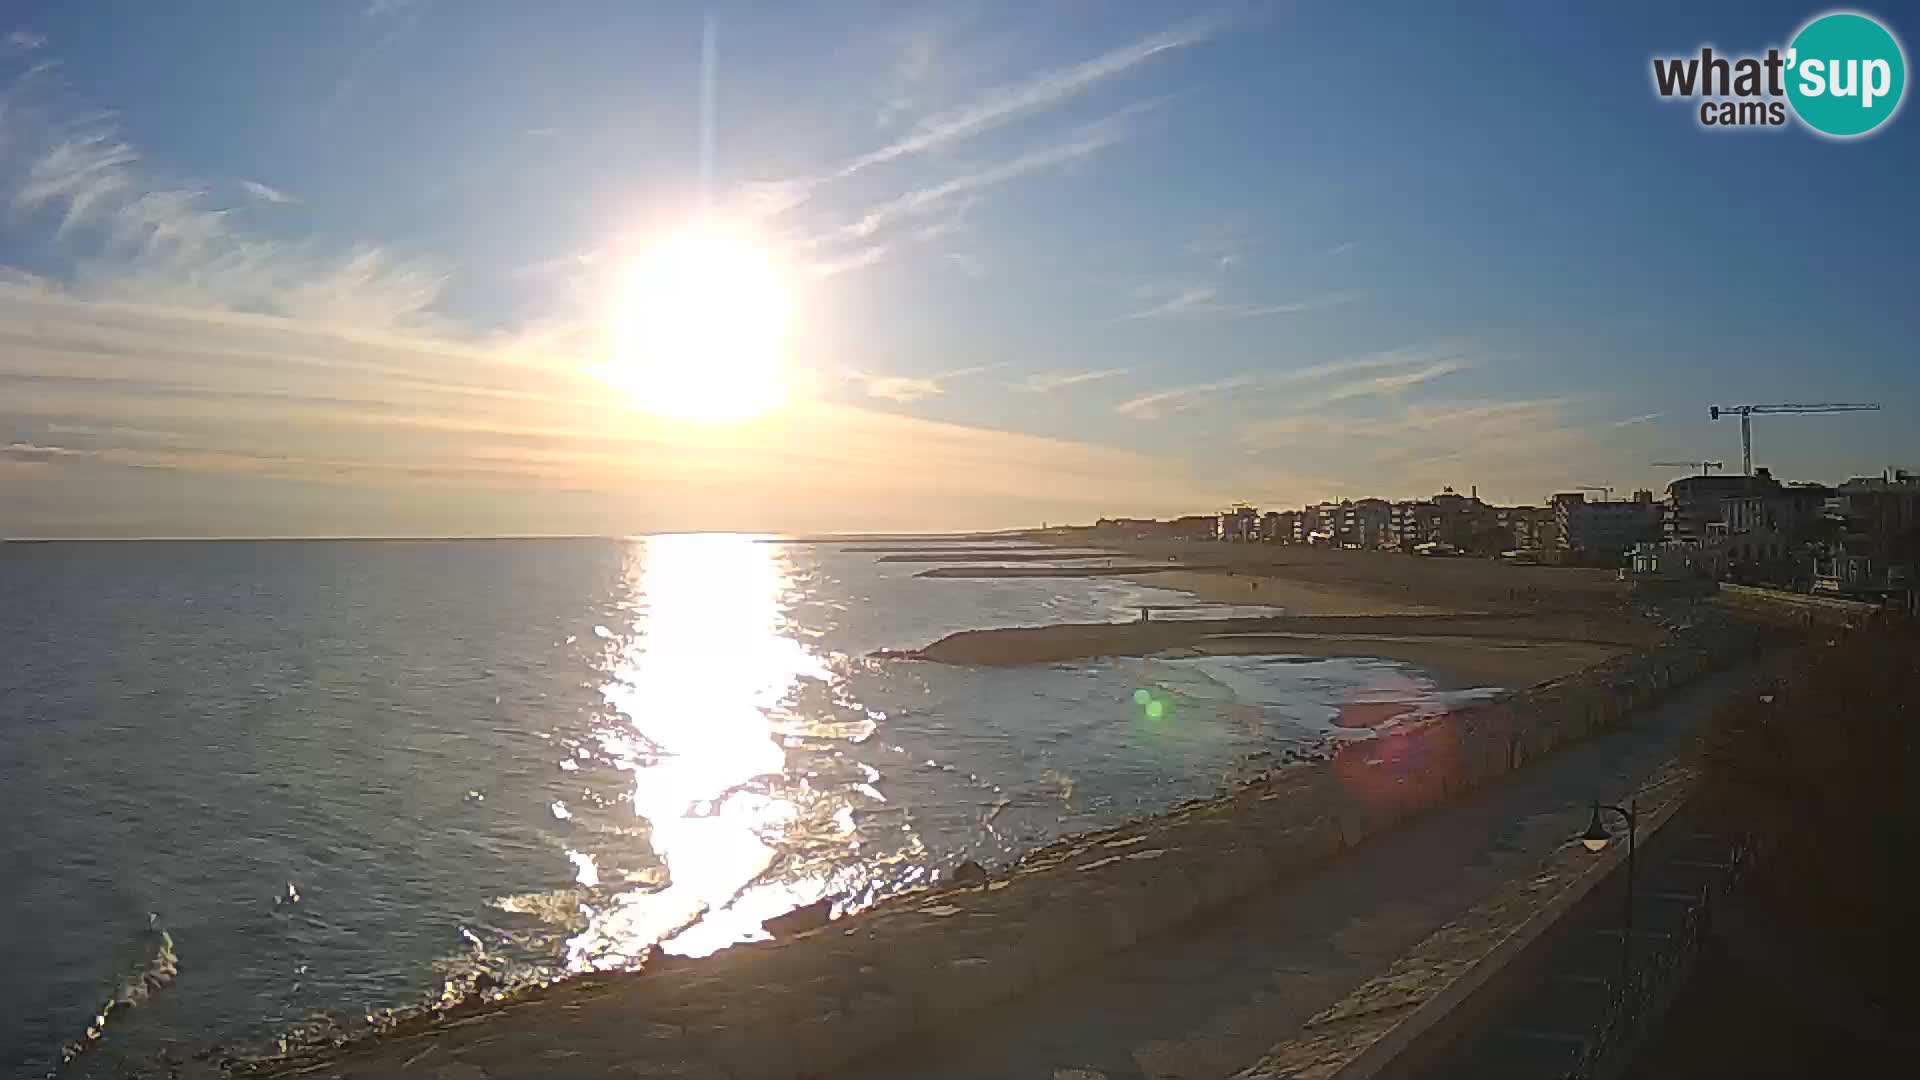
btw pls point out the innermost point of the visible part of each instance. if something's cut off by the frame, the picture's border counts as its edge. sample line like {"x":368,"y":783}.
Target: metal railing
{"x":1634,"y":997}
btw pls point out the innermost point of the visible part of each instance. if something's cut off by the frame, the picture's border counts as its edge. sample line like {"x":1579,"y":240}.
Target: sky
{"x":364,"y":269}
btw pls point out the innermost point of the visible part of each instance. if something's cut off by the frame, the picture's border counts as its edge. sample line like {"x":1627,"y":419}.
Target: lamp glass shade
{"x":1596,"y":838}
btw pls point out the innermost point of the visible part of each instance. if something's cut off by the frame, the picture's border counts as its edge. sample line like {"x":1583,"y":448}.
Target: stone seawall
{"x":1803,"y":609}
{"x":810,"y":1005}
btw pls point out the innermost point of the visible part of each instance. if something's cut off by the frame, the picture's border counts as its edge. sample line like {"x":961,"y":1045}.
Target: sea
{"x":255,"y":793}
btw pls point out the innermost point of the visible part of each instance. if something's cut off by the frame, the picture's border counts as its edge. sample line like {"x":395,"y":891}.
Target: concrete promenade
{"x":1539,"y":1017}
{"x":1211,"y":999}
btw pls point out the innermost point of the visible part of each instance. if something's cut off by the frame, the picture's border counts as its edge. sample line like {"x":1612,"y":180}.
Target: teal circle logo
{"x":1846,"y":74}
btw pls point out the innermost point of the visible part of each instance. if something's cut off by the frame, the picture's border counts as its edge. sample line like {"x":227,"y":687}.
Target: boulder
{"x":969,"y":874}
{"x":801,"y":919}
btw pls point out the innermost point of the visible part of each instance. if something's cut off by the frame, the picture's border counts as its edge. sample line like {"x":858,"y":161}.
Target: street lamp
{"x":1596,"y":839}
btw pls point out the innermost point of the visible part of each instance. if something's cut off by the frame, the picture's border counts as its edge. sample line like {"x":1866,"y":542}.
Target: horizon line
{"x":423,"y":538}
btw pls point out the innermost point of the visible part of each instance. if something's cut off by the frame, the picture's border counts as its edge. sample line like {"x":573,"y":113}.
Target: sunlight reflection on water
{"x":696,"y":684}
{"x":489,"y":763}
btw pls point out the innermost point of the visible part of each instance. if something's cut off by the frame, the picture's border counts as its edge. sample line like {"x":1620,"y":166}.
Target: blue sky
{"x":332,"y":268}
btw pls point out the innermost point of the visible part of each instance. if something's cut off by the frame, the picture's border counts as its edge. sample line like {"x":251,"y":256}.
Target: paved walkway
{"x":1210,"y":1000}
{"x":1539,"y":1022}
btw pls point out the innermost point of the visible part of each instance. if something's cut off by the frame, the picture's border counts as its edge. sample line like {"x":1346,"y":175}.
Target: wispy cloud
{"x":1397,"y":370}
{"x":266,"y":194}
{"x":1205,"y":294}
{"x":1341,"y":249}
{"x":1203,"y":302}
{"x":164,"y":224}
{"x":335,"y":431}
{"x":559,"y":266}
{"x":116,"y":433}
{"x":1046,"y":382}
{"x":1389,"y":384}
{"x":368,"y":286}
{"x":37,"y":455}
{"x":1633,"y":421}
{"x":1183,"y":300}
{"x":136,"y":239}
{"x":81,"y":171}
{"x":1161,"y":403}
{"x":1292,"y":430}
{"x":1222,"y":245}
{"x":907,"y":389}
{"x":908,"y":73}
{"x":321,"y":390}
{"x":861,"y":226}
{"x":389,"y":21}
{"x":1412,"y":450}
{"x":1043,"y":91}
{"x":1086,"y":141}
{"x":766,"y":199}
{"x":848,"y":261}
{"x":1409,"y":357}
{"x":902,"y":389}
{"x":1483,"y":435}
{"x":22,"y":41}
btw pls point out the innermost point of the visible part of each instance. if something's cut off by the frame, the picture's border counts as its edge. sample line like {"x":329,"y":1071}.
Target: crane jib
{"x":1746,"y":414}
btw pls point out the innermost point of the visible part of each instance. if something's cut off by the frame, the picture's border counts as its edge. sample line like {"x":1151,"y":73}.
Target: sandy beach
{"x":1354,"y":582}
{"x":1471,"y":621}
{"x":1292,"y":596}
{"x":1482,"y":649}
{"x":1520,"y":660}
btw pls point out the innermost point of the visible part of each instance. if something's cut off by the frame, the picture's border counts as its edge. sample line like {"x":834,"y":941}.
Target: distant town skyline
{"x":397,"y":268}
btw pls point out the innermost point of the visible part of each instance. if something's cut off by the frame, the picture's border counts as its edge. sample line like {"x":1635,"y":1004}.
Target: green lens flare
{"x":1142,"y":696}
{"x":1156,"y":709}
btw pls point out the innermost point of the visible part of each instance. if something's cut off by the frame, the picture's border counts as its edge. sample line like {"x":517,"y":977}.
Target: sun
{"x":700,"y":326}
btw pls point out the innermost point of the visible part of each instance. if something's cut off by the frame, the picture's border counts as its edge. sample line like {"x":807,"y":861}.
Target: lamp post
{"x":1596,"y":839}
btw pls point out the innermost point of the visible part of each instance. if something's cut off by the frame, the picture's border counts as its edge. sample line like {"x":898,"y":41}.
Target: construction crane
{"x":1747,"y":412}
{"x":1696,"y":466}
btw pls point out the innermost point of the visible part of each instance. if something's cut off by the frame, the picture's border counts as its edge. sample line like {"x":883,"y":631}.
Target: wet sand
{"x":1293,"y":596}
{"x":1504,"y":650}
{"x":1467,"y":623}
{"x":935,"y":549}
{"x":1042,"y":570}
{"x":1023,"y":555}
{"x":1480,"y":661}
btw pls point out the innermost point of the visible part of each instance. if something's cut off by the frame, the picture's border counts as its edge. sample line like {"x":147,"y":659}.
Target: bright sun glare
{"x":700,"y":327}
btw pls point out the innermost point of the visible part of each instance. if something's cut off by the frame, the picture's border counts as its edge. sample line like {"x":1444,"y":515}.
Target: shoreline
{"x":1504,"y":636}
{"x":1505,"y":650}
{"x":1343,"y":623}
{"x":811,"y":1004}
